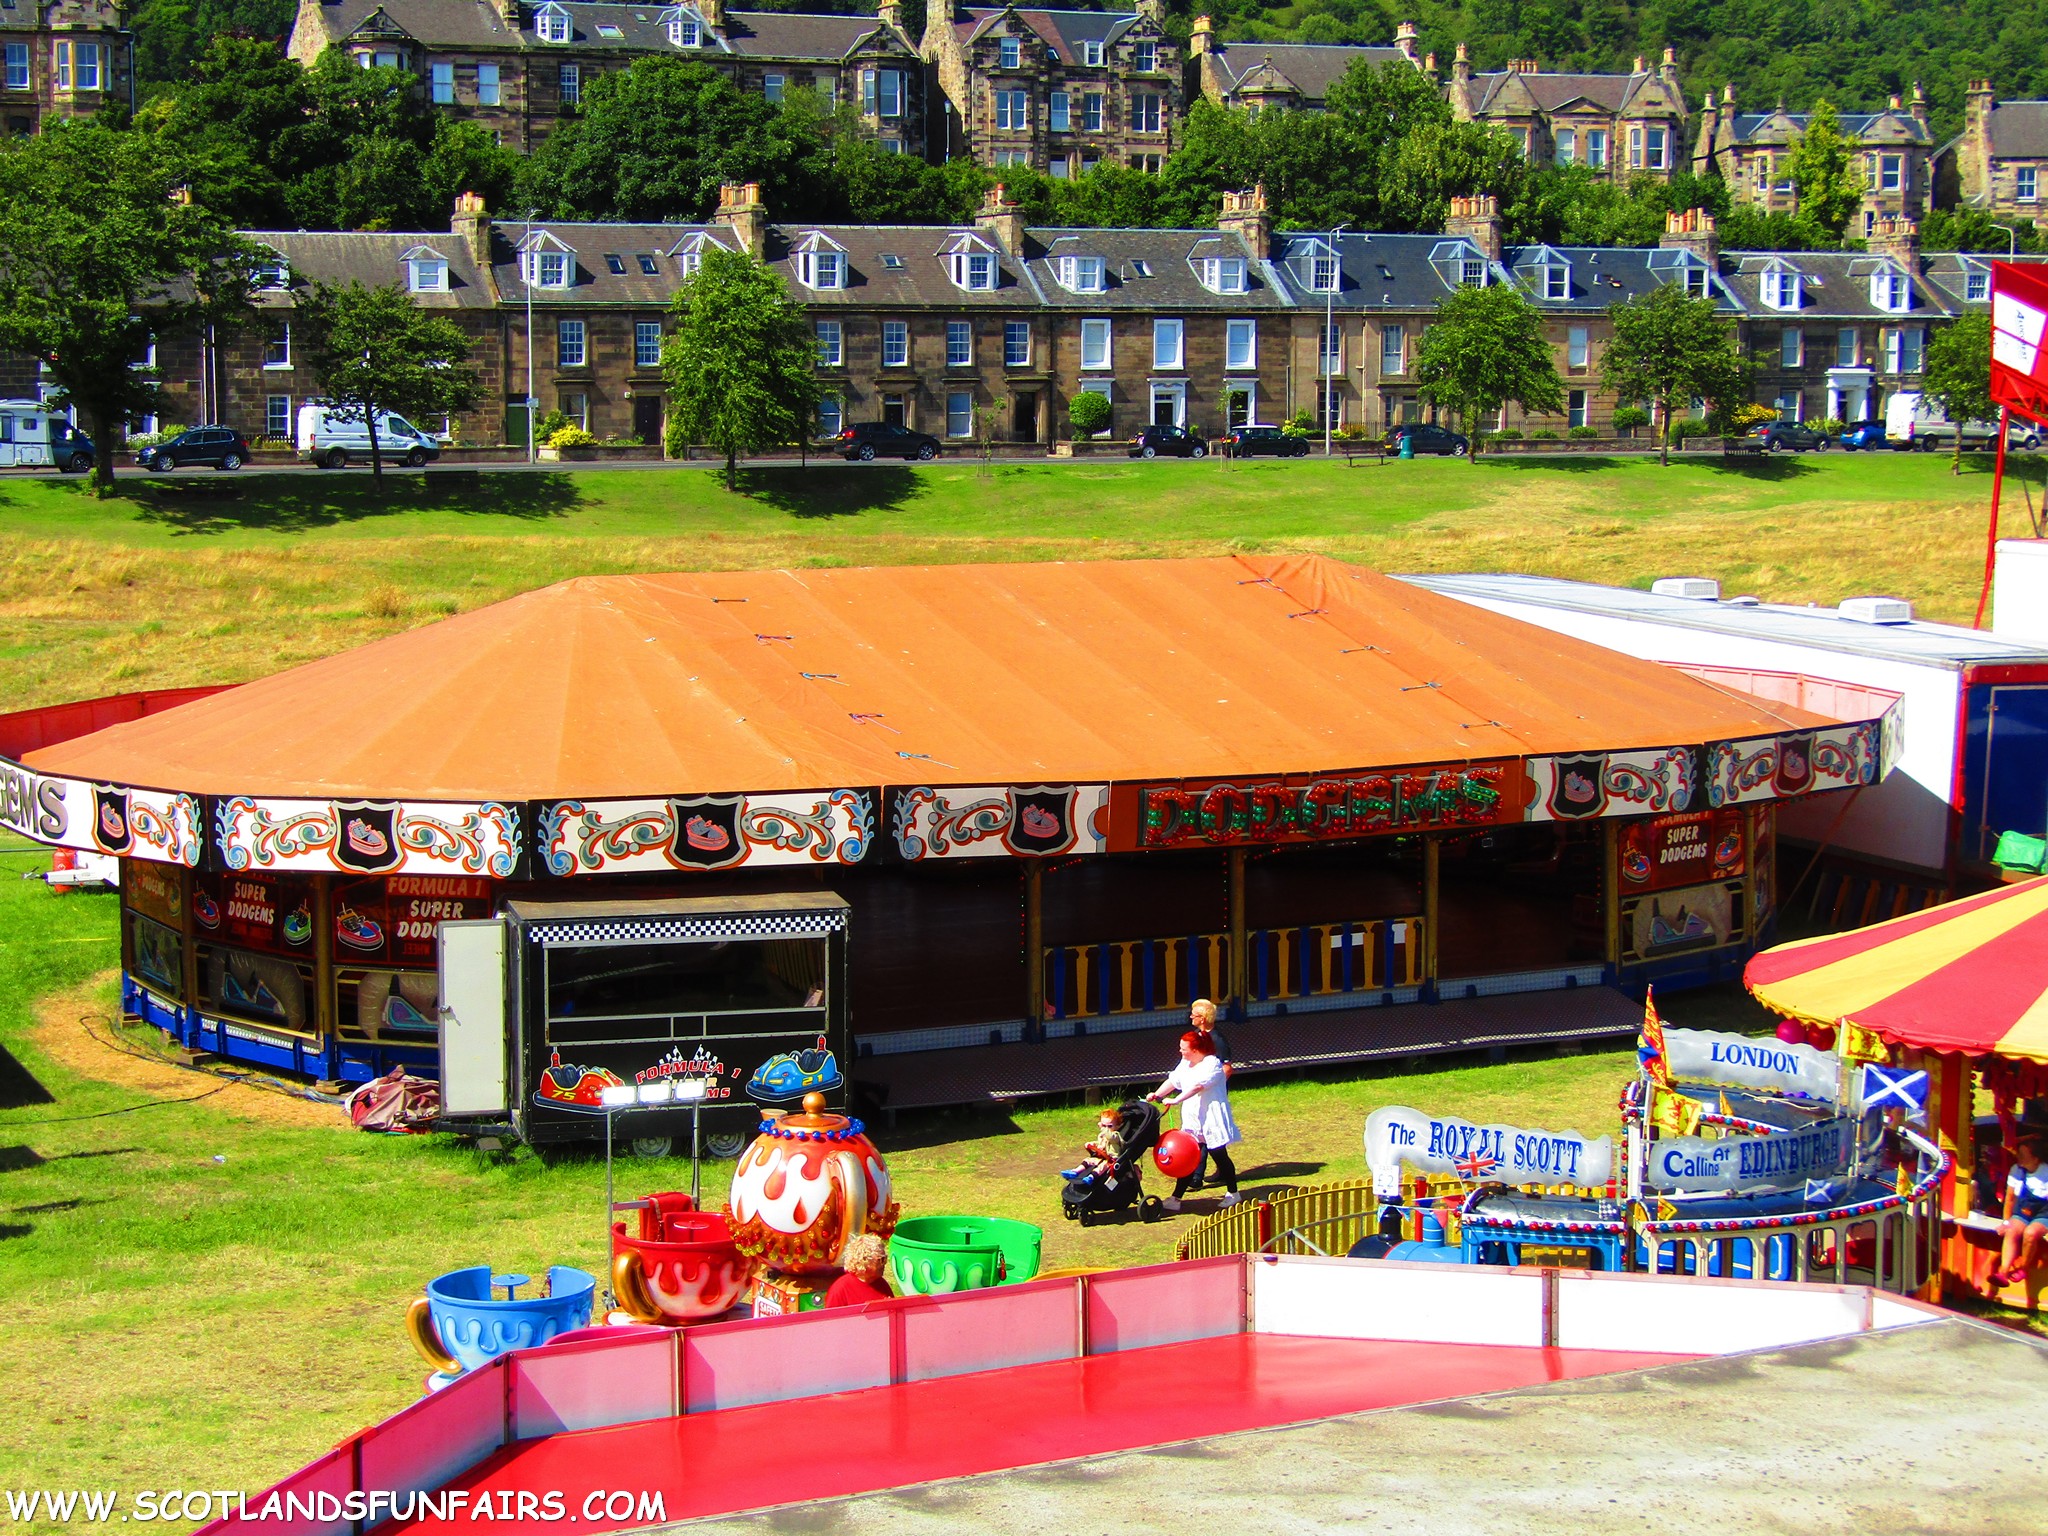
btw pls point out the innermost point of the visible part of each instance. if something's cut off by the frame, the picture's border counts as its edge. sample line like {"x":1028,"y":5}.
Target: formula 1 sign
{"x":1479,"y":1154}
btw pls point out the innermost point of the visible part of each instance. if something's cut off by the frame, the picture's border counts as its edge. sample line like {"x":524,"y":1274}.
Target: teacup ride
{"x":937,"y":1255}
{"x":807,"y":1186}
{"x":682,"y":1267}
{"x":459,"y":1325}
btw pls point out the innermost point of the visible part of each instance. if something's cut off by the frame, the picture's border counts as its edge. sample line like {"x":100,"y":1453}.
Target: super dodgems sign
{"x":1479,"y":1154}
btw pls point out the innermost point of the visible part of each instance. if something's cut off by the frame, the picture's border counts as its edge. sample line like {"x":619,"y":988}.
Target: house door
{"x":1024,"y":418}
{"x":647,"y":422}
{"x":893,"y":412}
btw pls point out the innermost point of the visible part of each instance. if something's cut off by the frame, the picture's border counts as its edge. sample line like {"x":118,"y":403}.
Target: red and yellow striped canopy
{"x":1969,"y":976}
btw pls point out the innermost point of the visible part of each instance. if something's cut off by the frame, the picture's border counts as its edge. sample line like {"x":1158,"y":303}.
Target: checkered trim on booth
{"x":798,"y":925}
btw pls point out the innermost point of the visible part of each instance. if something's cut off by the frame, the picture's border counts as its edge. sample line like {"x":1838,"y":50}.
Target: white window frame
{"x":427,"y":274}
{"x":277,"y":349}
{"x":1784,"y":290}
{"x":1976,"y":285}
{"x":277,"y":415}
{"x":1097,"y":344}
{"x":1557,"y":281}
{"x":895,"y":343}
{"x":959,"y":343}
{"x":2026,"y":184}
{"x":1596,"y":148}
{"x":19,"y":77}
{"x":974,"y":271}
{"x":831,"y":344}
{"x":1567,"y":147}
{"x":1656,"y":149}
{"x":685,"y":32}
{"x":1145,"y":56}
{"x":1240,"y":345}
{"x":1578,"y":408}
{"x":441,"y":82}
{"x":572,"y":344}
{"x":959,"y":413}
{"x":1148,"y":112}
{"x":551,"y":25}
{"x":1394,"y":347}
{"x":1009,"y":53}
{"x":1083,"y":274}
{"x":1891,"y":291}
{"x":821,"y":270}
{"x":831,"y":417}
{"x":569,"y":84}
{"x":488,"y":89}
{"x":773,"y":85}
{"x":1792,"y":347}
{"x":1226,"y":274}
{"x":1016,"y":343}
{"x":1059,"y":112}
{"x":1849,"y":355}
{"x":1577,"y":346}
{"x":645,"y":356}
{"x":1323,"y":273}
{"x":1891,"y":173}
{"x":1091,"y":54}
{"x":1091,"y":119}
{"x":1169,"y":344}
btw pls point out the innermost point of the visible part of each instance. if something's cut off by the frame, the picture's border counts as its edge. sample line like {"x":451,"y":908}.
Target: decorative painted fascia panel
{"x":704,"y":832}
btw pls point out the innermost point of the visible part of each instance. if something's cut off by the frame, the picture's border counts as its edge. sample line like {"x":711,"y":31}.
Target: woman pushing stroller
{"x":1200,"y":1085}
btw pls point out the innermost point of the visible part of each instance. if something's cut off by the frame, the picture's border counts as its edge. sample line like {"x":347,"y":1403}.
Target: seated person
{"x":1101,"y":1153}
{"x":867,"y":1256}
{"x":2026,"y":1210}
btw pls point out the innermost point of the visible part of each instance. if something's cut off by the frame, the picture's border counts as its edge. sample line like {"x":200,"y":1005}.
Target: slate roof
{"x":1553,"y":90}
{"x":1948,"y":272}
{"x":923,"y":281}
{"x":639,"y":28}
{"x":1063,"y":30}
{"x":1837,"y":286}
{"x":2018,"y":128}
{"x":1168,"y":256}
{"x":594,"y":282}
{"x":1312,"y":68}
{"x":375,"y":260}
{"x":1783,"y":127}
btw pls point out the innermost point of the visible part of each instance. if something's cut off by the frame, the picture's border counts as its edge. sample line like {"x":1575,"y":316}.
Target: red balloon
{"x":1820,"y":1036}
{"x":1791,"y":1033}
{"x":1178,"y":1155}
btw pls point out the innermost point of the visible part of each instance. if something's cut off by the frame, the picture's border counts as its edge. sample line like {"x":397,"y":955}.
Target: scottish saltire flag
{"x":1819,"y":1191}
{"x":1895,"y":1088}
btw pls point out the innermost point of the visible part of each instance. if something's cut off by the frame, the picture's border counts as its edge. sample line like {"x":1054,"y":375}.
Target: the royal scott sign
{"x":1700,"y":1056}
{"x":1479,"y":1154}
{"x":1786,"y":1160}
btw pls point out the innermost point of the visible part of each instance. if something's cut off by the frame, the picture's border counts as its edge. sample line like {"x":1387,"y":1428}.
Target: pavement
{"x":1935,"y":1427}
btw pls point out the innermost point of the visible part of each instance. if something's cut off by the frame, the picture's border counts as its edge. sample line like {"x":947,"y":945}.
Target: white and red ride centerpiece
{"x":809,"y":1184}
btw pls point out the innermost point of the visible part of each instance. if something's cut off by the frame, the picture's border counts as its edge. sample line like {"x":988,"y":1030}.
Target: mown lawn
{"x":206,"y":1286}
{"x":215,"y":578}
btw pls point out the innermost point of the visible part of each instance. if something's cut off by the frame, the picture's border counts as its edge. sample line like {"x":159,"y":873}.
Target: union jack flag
{"x":1478,"y":1165}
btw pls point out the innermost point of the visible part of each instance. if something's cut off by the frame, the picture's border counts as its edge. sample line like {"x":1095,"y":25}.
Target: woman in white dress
{"x":1201,"y":1087}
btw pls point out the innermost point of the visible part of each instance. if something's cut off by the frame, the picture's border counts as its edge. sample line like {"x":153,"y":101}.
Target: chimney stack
{"x":1202,"y":41}
{"x":1668,"y":70}
{"x":1405,"y":36}
{"x":1899,"y":238}
{"x":890,"y":14}
{"x":713,"y":12}
{"x":473,"y":224}
{"x":1244,"y":215}
{"x":1476,"y":219}
{"x":743,"y":210}
{"x":1002,"y":219}
{"x":1693,"y":230}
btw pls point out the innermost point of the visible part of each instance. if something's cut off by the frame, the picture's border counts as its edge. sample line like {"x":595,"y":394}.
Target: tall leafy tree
{"x":1485,"y":349}
{"x":1957,"y":376}
{"x":1824,"y":171}
{"x":375,"y":351}
{"x":1446,"y":160}
{"x":1672,"y":349}
{"x":741,"y":362}
{"x":101,"y":252}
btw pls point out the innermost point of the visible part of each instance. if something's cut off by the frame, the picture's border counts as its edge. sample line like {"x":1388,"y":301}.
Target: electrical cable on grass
{"x":246,"y":1079}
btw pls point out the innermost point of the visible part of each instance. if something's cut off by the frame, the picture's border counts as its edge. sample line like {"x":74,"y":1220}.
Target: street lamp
{"x":529,"y":264}
{"x":1329,"y":324}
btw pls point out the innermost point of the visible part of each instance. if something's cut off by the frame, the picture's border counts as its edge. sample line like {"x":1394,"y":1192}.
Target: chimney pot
{"x":742,"y":209}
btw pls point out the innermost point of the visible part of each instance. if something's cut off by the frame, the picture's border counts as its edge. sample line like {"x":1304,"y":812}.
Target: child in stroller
{"x":1096,"y":1190}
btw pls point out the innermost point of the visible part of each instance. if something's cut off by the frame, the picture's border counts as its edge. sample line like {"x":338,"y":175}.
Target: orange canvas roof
{"x":617,"y":686}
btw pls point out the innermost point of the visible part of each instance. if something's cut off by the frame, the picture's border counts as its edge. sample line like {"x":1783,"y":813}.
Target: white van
{"x":331,"y":439}
{"x":32,"y":437}
{"x":1911,"y":420}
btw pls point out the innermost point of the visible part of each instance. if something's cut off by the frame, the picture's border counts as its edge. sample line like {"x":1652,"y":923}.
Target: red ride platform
{"x":736,"y":1459}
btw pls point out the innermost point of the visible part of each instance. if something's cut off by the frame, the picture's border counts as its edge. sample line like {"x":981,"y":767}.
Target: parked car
{"x":1264,"y":442}
{"x":1864,"y":434}
{"x":1428,"y":439}
{"x":222,"y":447}
{"x":331,"y":438}
{"x":880,"y":440}
{"x":1174,"y":442}
{"x":1912,"y":421}
{"x":1789,"y":437}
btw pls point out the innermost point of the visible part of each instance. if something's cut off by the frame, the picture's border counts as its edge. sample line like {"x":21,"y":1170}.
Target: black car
{"x":222,"y":447}
{"x":70,"y":449}
{"x":1269,"y":442}
{"x":1175,"y":442}
{"x":1427,"y":438}
{"x":880,"y":440}
{"x":1790,"y":437}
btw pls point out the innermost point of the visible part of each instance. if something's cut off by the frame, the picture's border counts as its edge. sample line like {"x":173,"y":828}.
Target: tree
{"x":741,"y":362}
{"x":375,"y":351}
{"x":1956,"y":375}
{"x":1823,"y":166}
{"x":1671,"y":348}
{"x":1088,"y":413}
{"x":100,"y":254}
{"x":1486,"y":348}
{"x":1442,"y":161}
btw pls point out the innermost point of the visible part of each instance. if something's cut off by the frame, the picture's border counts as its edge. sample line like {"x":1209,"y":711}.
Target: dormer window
{"x":1784,"y":289}
{"x":973,"y":270}
{"x":689,"y":254}
{"x":1322,"y":274}
{"x":1695,"y":278}
{"x":551,"y":24}
{"x":1144,"y":57}
{"x":1083,"y":274}
{"x":820,"y":263}
{"x":1891,"y":291}
{"x":1976,"y":285}
{"x":1554,"y":280}
{"x":1091,"y":55}
{"x":542,"y":267}
{"x":1010,"y":54}
{"x":426,"y":270}
{"x":1223,"y":274}
{"x":685,"y":31}
{"x":273,"y":272}
{"x":1472,"y":272}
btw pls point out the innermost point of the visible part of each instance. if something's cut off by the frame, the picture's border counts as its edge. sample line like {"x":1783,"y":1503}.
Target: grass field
{"x":209,"y":1282}
{"x":215,"y":578}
